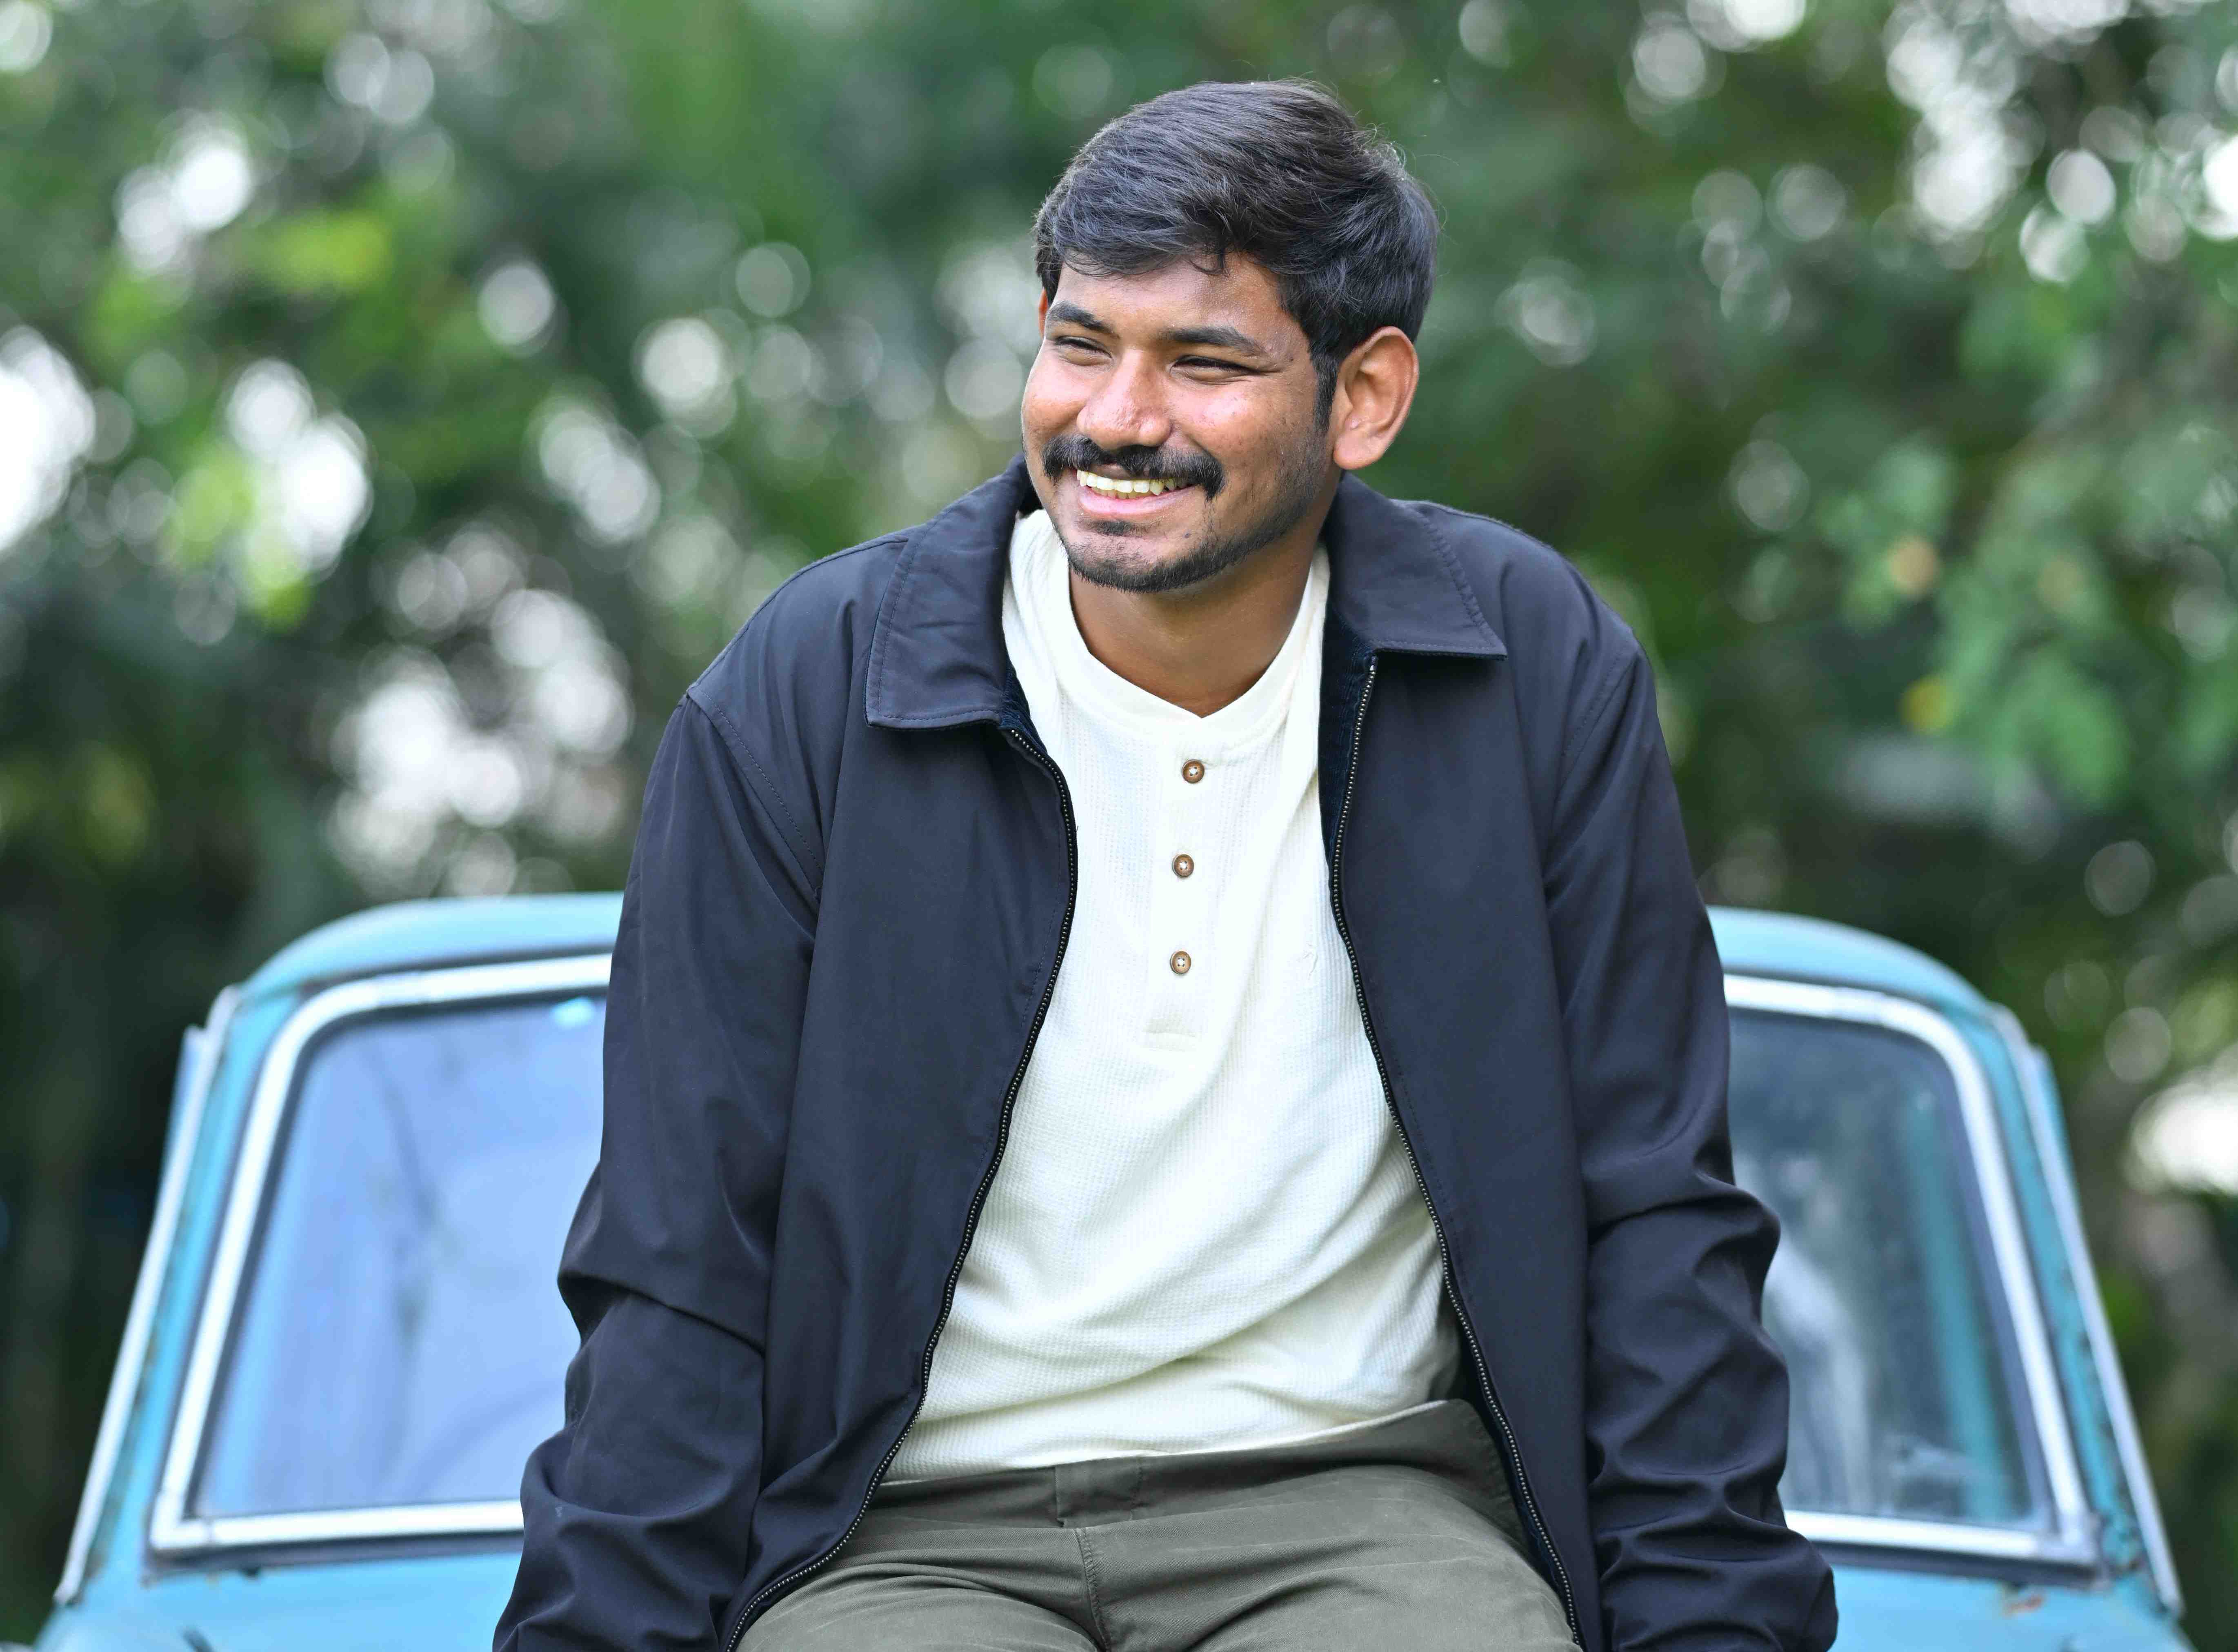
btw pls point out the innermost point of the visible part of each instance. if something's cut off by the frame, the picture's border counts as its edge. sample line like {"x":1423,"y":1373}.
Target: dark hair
{"x":1275,"y":170}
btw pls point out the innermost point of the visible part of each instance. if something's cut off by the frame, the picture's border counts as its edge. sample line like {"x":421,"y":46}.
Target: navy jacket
{"x":851,"y":895}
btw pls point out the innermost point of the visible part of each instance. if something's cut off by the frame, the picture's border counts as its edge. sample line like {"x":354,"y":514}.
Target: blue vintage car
{"x":346,"y":1337}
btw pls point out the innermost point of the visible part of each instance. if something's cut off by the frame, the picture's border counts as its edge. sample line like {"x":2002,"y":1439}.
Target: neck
{"x":1202,"y":649}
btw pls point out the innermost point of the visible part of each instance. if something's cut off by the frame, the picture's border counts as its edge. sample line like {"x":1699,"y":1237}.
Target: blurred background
{"x":400,"y":400}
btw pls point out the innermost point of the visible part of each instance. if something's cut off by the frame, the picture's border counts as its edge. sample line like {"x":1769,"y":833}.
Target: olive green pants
{"x":1399,"y":1536}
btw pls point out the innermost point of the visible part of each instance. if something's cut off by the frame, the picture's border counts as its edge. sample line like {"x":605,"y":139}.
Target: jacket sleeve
{"x":1686,"y":1398}
{"x":637,"y":1511}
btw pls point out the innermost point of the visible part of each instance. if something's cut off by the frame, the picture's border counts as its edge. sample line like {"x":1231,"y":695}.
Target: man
{"x":1165,"y":1075}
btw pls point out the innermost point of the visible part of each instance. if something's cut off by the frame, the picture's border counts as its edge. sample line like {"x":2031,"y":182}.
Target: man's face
{"x":1199,"y":384}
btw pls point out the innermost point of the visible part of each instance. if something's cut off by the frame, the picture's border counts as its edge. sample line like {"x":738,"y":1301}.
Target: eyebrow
{"x":1220,"y":338}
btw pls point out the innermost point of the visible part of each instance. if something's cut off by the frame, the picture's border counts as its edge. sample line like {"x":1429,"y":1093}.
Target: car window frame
{"x":2040,"y":1098}
{"x":173,"y":1532}
{"x":1987,"y":1173}
{"x":201,"y":1052}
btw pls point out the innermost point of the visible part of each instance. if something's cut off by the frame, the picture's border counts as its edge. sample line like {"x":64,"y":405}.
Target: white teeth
{"x":1110,"y":486}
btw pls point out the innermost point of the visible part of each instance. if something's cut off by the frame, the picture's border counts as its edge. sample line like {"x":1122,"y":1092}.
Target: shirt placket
{"x":1182,"y":953}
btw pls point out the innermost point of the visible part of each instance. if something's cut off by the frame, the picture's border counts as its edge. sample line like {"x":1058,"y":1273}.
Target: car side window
{"x":401,"y":1341}
{"x":1906,"y":1402}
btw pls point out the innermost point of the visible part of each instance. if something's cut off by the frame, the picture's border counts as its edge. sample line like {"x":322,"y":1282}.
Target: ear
{"x":1375,"y":388}
{"x":1041,"y":314}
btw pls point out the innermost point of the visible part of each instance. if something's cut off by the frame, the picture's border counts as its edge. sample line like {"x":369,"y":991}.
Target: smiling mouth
{"x":1126,"y":486}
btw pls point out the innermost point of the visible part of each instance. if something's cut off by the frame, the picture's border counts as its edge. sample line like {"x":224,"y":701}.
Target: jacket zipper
{"x":1445,"y":1254}
{"x":978,"y":1199}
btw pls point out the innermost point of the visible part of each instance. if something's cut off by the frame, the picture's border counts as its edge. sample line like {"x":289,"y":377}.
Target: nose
{"x":1125,"y":409}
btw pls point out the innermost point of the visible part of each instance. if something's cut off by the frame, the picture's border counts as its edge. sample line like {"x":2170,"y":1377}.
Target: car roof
{"x":1811,"y":949}
{"x":418,"y":934}
{"x":424,"y":934}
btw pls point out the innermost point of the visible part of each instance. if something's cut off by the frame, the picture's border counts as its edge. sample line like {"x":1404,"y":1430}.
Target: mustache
{"x":1076,"y":451}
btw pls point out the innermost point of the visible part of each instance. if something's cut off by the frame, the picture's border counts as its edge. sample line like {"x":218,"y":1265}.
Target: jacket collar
{"x":936,"y":653}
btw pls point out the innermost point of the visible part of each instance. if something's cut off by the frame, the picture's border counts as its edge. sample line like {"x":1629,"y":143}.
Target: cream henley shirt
{"x":1204,"y":1232}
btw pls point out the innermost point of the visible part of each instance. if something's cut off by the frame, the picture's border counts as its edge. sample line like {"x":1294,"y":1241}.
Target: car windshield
{"x":400,"y":1342}
{"x":1903,"y":1400}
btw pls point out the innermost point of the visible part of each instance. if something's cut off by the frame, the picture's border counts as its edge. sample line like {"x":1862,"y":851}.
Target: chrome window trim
{"x":347,"y":1525}
{"x":2066,"y":1210}
{"x":205,"y":1047}
{"x":1941,"y":1537}
{"x":171,"y":1529}
{"x":2072,"y":1539}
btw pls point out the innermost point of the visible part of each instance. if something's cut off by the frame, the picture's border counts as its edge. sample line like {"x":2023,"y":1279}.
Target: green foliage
{"x":424,"y":389}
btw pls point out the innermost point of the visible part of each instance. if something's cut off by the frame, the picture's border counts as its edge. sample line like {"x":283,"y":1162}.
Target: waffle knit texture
{"x":1204,"y":1233}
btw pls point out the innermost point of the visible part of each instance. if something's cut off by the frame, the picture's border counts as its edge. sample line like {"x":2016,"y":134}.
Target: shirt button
{"x":1192,"y":770}
{"x":1183,"y":865}
{"x":1179,"y":963}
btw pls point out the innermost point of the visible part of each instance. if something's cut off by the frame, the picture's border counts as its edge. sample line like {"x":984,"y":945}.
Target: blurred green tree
{"x":401,"y":399}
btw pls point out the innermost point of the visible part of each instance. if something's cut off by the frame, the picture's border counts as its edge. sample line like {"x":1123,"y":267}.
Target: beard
{"x":1297,"y":487}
